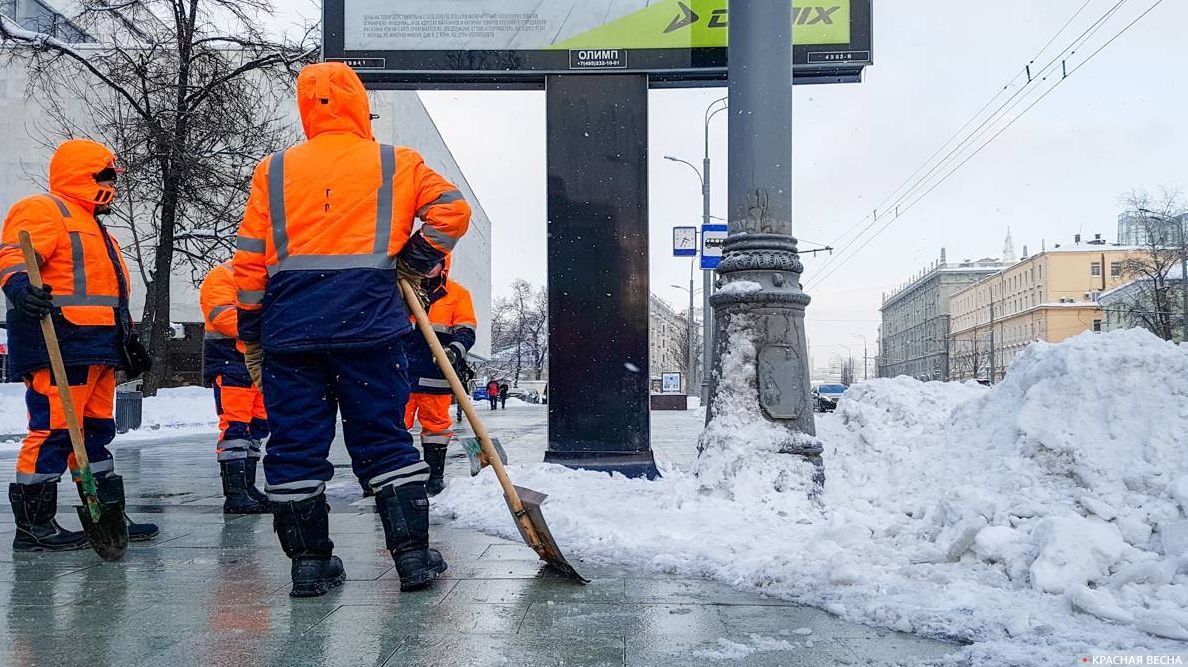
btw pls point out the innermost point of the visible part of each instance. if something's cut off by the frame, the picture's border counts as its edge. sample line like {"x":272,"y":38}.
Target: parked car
{"x":827,"y":396}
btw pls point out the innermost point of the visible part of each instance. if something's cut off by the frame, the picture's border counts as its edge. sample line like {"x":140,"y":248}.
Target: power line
{"x":997,"y":114}
{"x":942,"y":147}
{"x":823,"y":276}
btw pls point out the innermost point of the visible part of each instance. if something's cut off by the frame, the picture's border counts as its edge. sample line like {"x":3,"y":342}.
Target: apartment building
{"x":1050,"y":296}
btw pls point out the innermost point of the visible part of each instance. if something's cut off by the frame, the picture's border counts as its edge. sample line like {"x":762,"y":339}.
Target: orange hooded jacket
{"x":221,"y":353}
{"x":326,"y":221}
{"x":79,"y":259}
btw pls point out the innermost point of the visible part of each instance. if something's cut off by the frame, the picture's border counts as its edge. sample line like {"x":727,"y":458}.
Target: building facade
{"x":1132,"y":305}
{"x":914,"y":334}
{"x":667,"y":352}
{"x":1050,"y":297}
{"x":1136,"y":228}
{"x":403,"y":120}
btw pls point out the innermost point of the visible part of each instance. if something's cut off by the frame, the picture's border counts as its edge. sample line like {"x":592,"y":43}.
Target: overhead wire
{"x":1021,"y":72}
{"x":848,"y":251}
{"x":996,"y":115}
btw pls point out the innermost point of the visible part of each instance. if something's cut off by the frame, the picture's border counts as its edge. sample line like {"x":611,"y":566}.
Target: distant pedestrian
{"x":503,"y":391}
{"x":493,"y":394}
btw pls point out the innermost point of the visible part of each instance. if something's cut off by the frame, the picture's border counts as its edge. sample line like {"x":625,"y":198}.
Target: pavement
{"x":213,"y":590}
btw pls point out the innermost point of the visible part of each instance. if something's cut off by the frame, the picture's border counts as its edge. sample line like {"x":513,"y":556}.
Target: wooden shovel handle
{"x":55,"y":358}
{"x":443,"y":362}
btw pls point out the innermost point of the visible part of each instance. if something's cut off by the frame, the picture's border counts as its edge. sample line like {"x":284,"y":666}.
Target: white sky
{"x":1114,"y":125}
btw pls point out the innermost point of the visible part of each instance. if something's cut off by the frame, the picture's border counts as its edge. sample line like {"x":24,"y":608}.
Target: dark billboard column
{"x":598,"y":272}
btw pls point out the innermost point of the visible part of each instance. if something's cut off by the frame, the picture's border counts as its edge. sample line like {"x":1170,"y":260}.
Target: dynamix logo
{"x":718,"y":18}
{"x":684,"y":24}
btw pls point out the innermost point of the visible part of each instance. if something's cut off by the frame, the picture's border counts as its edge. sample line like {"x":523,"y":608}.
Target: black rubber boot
{"x":435,"y":456}
{"x":34,"y":506}
{"x":304,"y":531}
{"x":252,"y":462}
{"x":236,"y":498}
{"x":404,"y":511}
{"x":112,"y":486}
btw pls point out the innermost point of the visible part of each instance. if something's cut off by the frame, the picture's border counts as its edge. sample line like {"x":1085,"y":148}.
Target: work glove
{"x":455,"y":360}
{"x":36,"y":302}
{"x":137,"y":360}
{"x":253,"y":356}
{"x":414,"y":277}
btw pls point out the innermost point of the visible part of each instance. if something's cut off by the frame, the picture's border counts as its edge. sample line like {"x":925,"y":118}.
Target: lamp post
{"x":865,"y":375}
{"x":1183,"y":268}
{"x":849,"y":356}
{"x":703,"y":177}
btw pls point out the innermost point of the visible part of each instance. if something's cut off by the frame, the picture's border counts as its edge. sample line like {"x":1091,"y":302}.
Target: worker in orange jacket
{"x":85,"y":294}
{"x":243,"y":421}
{"x":328,"y":226}
{"x":453,"y":320}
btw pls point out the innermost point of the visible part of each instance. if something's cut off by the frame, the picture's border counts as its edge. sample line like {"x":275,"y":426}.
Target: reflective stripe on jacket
{"x":326,"y":220}
{"x":78,"y":259}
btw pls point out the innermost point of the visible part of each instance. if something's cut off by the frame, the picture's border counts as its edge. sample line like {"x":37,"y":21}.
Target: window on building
{"x":1097,"y":325}
{"x":1115,"y":269}
{"x":1095,"y":269}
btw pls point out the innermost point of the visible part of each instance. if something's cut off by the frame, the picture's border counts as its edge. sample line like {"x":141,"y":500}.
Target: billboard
{"x":519,"y":41}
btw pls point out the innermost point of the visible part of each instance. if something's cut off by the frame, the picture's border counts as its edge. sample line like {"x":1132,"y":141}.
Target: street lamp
{"x":1183,"y":269}
{"x":703,"y":177}
{"x":849,"y":354}
{"x":865,"y":376}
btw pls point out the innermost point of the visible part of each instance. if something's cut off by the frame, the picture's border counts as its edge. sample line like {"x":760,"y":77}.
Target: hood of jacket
{"x":73,"y":167}
{"x":332,"y":99}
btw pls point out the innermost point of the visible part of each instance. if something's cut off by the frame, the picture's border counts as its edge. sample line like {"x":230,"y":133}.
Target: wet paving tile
{"x":213,"y":590}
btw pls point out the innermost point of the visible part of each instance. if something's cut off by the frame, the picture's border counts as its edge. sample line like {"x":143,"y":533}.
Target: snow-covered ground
{"x":1038,"y":521}
{"x":181,"y":410}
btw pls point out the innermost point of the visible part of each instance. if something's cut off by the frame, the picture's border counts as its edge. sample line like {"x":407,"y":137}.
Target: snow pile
{"x":13,"y":414}
{"x":1036,"y":521}
{"x":742,"y":455}
{"x":180,"y":407}
{"x":188,"y":408}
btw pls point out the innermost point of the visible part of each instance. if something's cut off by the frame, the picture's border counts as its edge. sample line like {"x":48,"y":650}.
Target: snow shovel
{"x":523,"y":503}
{"x":103,"y":523}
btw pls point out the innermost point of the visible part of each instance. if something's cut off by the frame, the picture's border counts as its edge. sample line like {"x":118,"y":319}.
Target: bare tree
{"x":692,"y":375}
{"x":186,"y":92}
{"x":969,"y":359}
{"x":1153,"y":303}
{"x":520,"y":333}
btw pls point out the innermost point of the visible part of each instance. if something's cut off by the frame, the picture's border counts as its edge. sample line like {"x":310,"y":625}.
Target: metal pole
{"x":759,"y":247}
{"x":707,"y":332}
{"x":692,"y":351}
{"x":1183,"y":283}
{"x":992,"y":336}
{"x":707,"y":279}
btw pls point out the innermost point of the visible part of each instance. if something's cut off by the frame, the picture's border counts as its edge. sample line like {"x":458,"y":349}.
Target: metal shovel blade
{"x":548,"y":550}
{"x":108,"y":534}
{"x":478,"y":460}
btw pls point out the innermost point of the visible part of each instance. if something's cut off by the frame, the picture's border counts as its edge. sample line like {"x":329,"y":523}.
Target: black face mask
{"x":108,"y":175}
